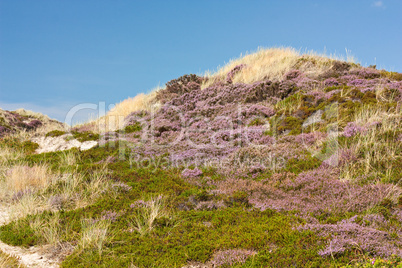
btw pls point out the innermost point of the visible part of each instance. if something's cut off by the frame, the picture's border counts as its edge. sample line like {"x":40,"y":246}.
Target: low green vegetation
{"x":85,"y":136}
{"x":324,"y":193}
{"x":133,"y":128}
{"x":55,"y":133}
{"x":108,"y":232}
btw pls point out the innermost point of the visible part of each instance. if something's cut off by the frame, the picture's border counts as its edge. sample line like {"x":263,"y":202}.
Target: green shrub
{"x":291,"y":123}
{"x":55,"y":133}
{"x":85,"y":136}
{"x":133,"y":128}
{"x":19,"y":234}
{"x":391,"y":75}
{"x":257,"y":122}
{"x":30,"y":147}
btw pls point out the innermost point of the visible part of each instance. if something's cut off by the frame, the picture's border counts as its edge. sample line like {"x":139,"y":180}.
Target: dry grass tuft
{"x":31,"y":190}
{"x":272,"y":64}
{"x":290,"y":104}
{"x":23,"y":178}
{"x":114,"y":119}
{"x":28,"y":204}
{"x":372,"y":145}
{"x":94,"y":234}
{"x":49,"y":229}
{"x":68,"y":158}
{"x":150,"y":211}
{"x":9,"y":154}
{"x":8,"y":261}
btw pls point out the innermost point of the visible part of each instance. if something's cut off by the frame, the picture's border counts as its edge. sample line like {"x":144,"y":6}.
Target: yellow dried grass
{"x":114,"y":119}
{"x":23,"y":177}
{"x":272,"y":64}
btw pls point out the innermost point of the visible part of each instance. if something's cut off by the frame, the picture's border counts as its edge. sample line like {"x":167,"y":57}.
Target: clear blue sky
{"x":56,"y":54}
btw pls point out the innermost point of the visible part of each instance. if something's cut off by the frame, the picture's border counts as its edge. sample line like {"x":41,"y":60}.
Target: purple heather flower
{"x":232,"y":73}
{"x":352,"y":129}
{"x":231,"y":256}
{"x":331,"y":82}
{"x":191,"y":173}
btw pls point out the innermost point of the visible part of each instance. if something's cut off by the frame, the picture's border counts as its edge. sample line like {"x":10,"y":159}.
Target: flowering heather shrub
{"x":317,"y":191}
{"x":233,"y":72}
{"x":183,"y":84}
{"x":330,"y":82}
{"x":311,"y":138}
{"x":34,"y":124}
{"x":3,"y":130}
{"x":139,"y":203}
{"x":210,"y":205}
{"x":347,"y":78}
{"x":357,"y":82}
{"x":210,"y":123}
{"x":292,"y":74}
{"x":395,"y":85}
{"x":328,"y":95}
{"x":349,"y":234}
{"x":317,"y":94}
{"x":366,"y":73}
{"x":258,"y":109}
{"x":352,"y":129}
{"x":179,"y":86}
{"x":109,"y":216}
{"x":191,"y":173}
{"x":135,"y":118}
{"x":306,"y":83}
{"x":230,"y":257}
{"x":347,"y":156}
{"x":258,"y":158}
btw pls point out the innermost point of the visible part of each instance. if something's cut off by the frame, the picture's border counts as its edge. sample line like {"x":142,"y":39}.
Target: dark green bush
{"x":85,"y":136}
{"x":133,"y":128}
{"x":30,"y":147}
{"x":18,"y":234}
{"x":55,"y":133}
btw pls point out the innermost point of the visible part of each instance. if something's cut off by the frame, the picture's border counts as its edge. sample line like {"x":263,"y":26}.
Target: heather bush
{"x":352,"y":129}
{"x":292,"y":74}
{"x":280,"y":160}
{"x":372,"y":139}
{"x":350,"y":235}
{"x":331,"y":82}
{"x":367,"y":73}
{"x":317,"y":192}
{"x":179,"y":86}
{"x":191,"y":173}
{"x":34,"y":124}
{"x":230,"y":257}
{"x":232,"y":73}
{"x":3,"y":130}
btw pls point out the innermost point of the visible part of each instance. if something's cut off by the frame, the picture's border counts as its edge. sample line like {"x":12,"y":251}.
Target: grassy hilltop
{"x":278,"y":159}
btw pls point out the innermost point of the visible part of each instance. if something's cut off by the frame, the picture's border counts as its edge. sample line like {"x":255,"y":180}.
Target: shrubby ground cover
{"x":297,"y":167}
